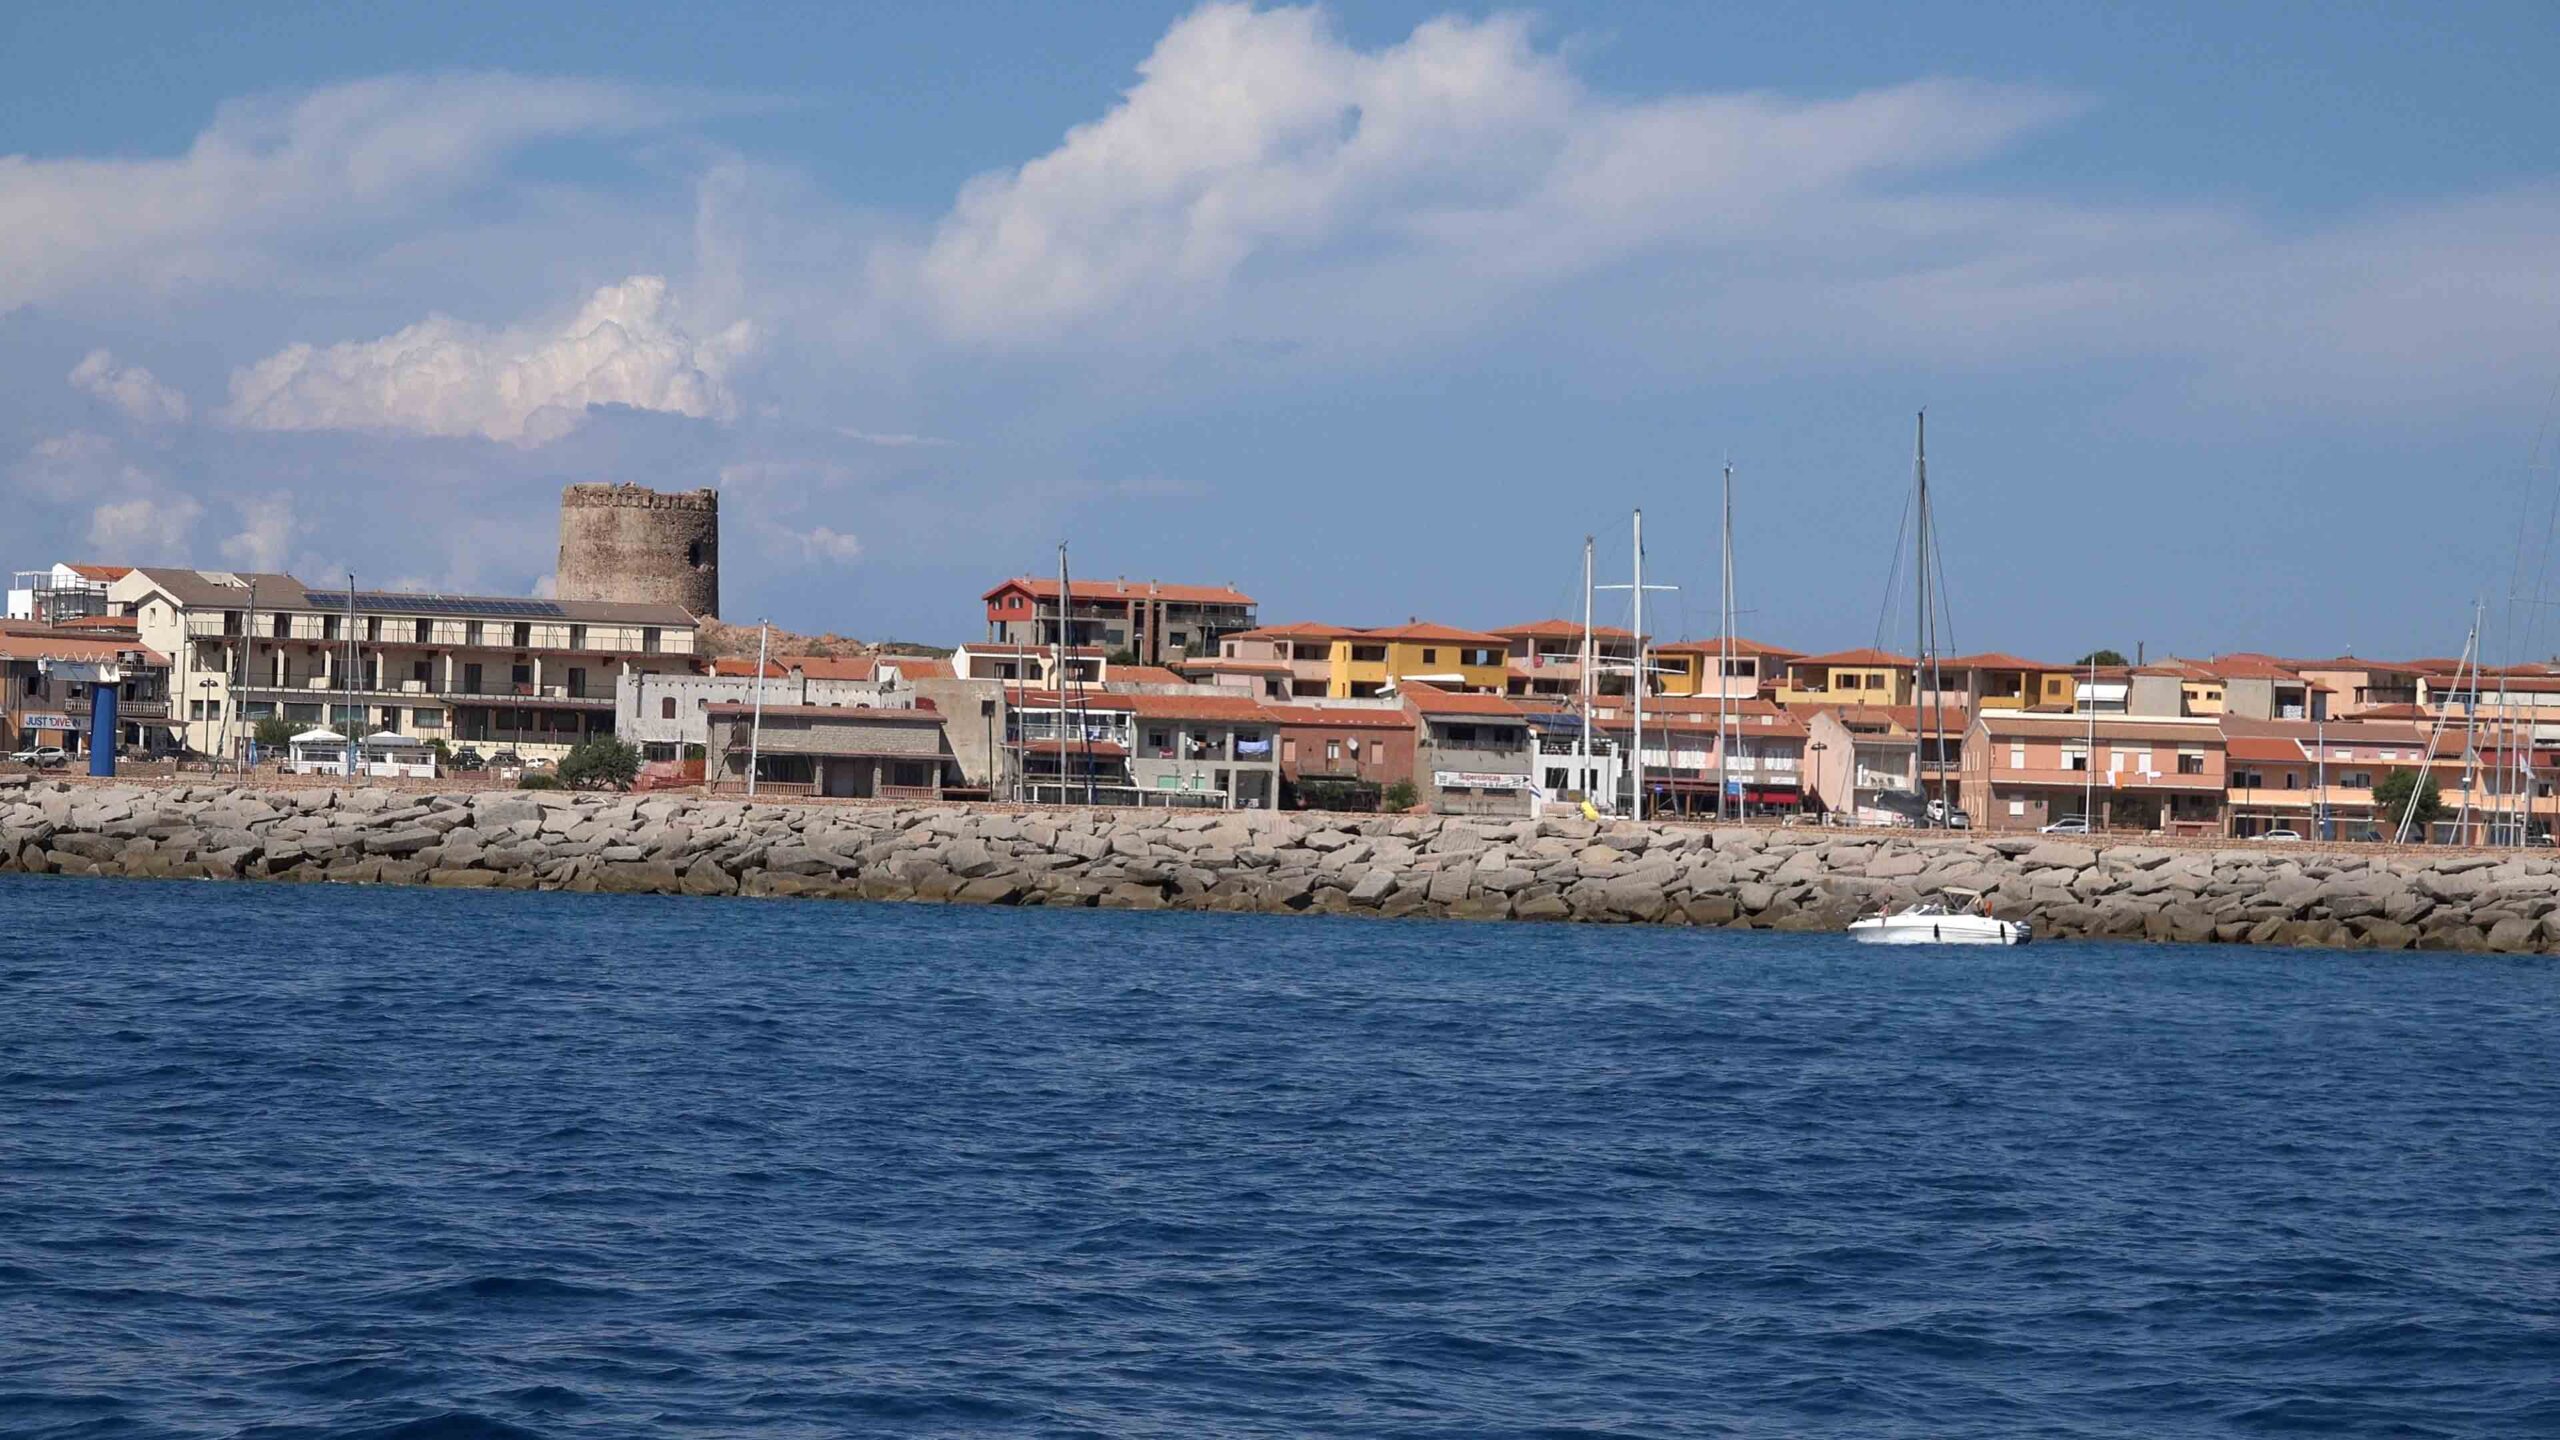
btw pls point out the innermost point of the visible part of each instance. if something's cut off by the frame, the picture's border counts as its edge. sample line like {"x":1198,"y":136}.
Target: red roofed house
{"x":1157,"y":622}
{"x":62,"y":592}
{"x":1342,"y":755}
{"x":1687,"y":667}
{"x":1071,"y":748}
{"x":2280,"y":772}
{"x":1545,"y":658}
{"x":1473,"y":754}
{"x":1683,"y":770}
{"x":2145,"y":772}
{"x":41,"y":707}
{"x":1847,"y":677}
{"x":1210,"y":747}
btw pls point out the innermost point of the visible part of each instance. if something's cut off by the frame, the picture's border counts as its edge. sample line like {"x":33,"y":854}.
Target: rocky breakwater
{"x":1548,"y":869}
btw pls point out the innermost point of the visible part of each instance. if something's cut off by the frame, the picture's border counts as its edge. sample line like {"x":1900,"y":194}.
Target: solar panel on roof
{"x":440,"y":604}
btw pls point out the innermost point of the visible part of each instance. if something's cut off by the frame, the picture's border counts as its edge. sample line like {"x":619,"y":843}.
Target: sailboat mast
{"x":1921,"y":686}
{"x":1582,"y":747}
{"x":1724,"y":655}
{"x":1635,"y":805}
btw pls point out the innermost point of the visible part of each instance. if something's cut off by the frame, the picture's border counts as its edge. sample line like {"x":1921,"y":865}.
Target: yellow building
{"x":1685,"y":668}
{"x":1847,"y":677}
{"x":1366,"y":662}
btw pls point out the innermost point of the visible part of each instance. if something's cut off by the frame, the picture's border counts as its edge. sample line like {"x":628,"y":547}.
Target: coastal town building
{"x":2133,"y":772}
{"x":47,"y":673}
{"x":1473,"y":754}
{"x":1544,"y":658}
{"x":667,"y":712}
{"x":1342,"y":755}
{"x":532,"y":676}
{"x":1846,"y":677}
{"x":837,"y":751}
{"x":61,"y":593}
{"x":1205,"y":748}
{"x":1753,"y":750}
{"x":1155,"y":621}
{"x":1750,"y":668}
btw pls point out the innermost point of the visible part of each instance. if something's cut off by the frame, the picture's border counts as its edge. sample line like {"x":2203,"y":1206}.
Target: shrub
{"x":1399,"y":797}
{"x":273,"y":732}
{"x":600,"y":762}
{"x":537,"y":780}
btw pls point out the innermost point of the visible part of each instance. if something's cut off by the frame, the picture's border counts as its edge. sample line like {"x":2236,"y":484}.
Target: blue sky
{"x":2236,"y":325}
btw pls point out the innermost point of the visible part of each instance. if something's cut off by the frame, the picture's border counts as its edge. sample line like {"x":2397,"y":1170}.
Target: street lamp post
{"x":204,"y":704}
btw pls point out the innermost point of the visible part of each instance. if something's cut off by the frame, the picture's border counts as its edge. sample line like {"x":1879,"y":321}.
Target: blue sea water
{"x":284,"y":1162}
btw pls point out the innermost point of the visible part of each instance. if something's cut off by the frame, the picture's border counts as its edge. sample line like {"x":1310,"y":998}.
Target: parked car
{"x":465,"y":759}
{"x":1950,"y":816}
{"x":538,"y":762}
{"x":2068,"y":825}
{"x":42,"y":757}
{"x":2282,"y":836}
{"x":505,"y":760}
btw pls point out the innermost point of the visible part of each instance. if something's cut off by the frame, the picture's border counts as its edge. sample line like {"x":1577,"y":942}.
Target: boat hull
{"x":1938,"y":930}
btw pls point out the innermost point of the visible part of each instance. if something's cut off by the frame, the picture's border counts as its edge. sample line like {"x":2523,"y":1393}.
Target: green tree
{"x":1122,"y":656}
{"x":1398,"y":797}
{"x":273,"y":732}
{"x":2410,"y":795}
{"x":2103,"y":657}
{"x":600,"y":762}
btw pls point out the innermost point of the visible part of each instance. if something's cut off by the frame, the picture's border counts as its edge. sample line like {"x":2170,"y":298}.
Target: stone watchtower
{"x":623,"y":542}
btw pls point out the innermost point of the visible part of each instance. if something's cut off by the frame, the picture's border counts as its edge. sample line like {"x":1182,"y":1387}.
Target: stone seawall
{"x":1550,"y":869}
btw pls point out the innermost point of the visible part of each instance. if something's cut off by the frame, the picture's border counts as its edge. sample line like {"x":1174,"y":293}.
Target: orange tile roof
{"x":1357,"y":716}
{"x":1240,"y":667}
{"x":920,"y":667}
{"x":101,"y":572}
{"x":1994,"y":660}
{"x":1869,"y":656}
{"x":741,"y":666}
{"x":98,"y":622}
{"x":23,"y":645}
{"x":1557,"y":629}
{"x":1223,"y":705}
{"x":1050,"y":700}
{"x":1712,"y":646}
{"x":1294,"y":630}
{"x":1042,"y":588}
{"x":2263,"y":748}
{"x":1432,"y":700}
{"x":835,"y":667}
{"x":1144,"y":675}
{"x":1427,"y":630}
{"x":921,"y":715}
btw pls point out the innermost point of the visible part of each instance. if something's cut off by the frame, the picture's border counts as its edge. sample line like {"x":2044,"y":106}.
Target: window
{"x":420,"y":630}
{"x":1332,"y":750}
{"x":1289,"y":751}
{"x":2359,"y":780}
{"x":2074,"y":758}
{"x":1430,"y":657}
{"x":524,"y":634}
{"x":280,"y":627}
{"x":2190,"y":762}
{"x":2292,"y":780}
{"x":667,"y":708}
{"x":2017,"y":755}
{"x":578,"y":635}
{"x":471,"y":632}
{"x":2017,"y":807}
{"x":520,"y":676}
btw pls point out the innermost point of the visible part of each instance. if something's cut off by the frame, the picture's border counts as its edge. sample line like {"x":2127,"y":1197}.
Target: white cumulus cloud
{"x":1257,"y":139}
{"x":271,"y":175}
{"x":144,"y":529}
{"x":267,"y":527}
{"x":821,"y":544}
{"x":528,"y":385}
{"x":130,"y":388}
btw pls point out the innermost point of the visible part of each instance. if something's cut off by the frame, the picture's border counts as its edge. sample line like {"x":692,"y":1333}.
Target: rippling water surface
{"x":281,"y":1161}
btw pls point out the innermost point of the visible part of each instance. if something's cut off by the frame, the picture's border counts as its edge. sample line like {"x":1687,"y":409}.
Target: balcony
{"x":320,"y":687}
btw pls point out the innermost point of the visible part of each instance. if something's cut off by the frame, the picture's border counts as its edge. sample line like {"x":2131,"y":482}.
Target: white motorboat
{"x":1961,"y":917}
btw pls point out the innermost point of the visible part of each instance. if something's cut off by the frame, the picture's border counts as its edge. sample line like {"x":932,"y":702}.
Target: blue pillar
{"x":102,"y":728}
